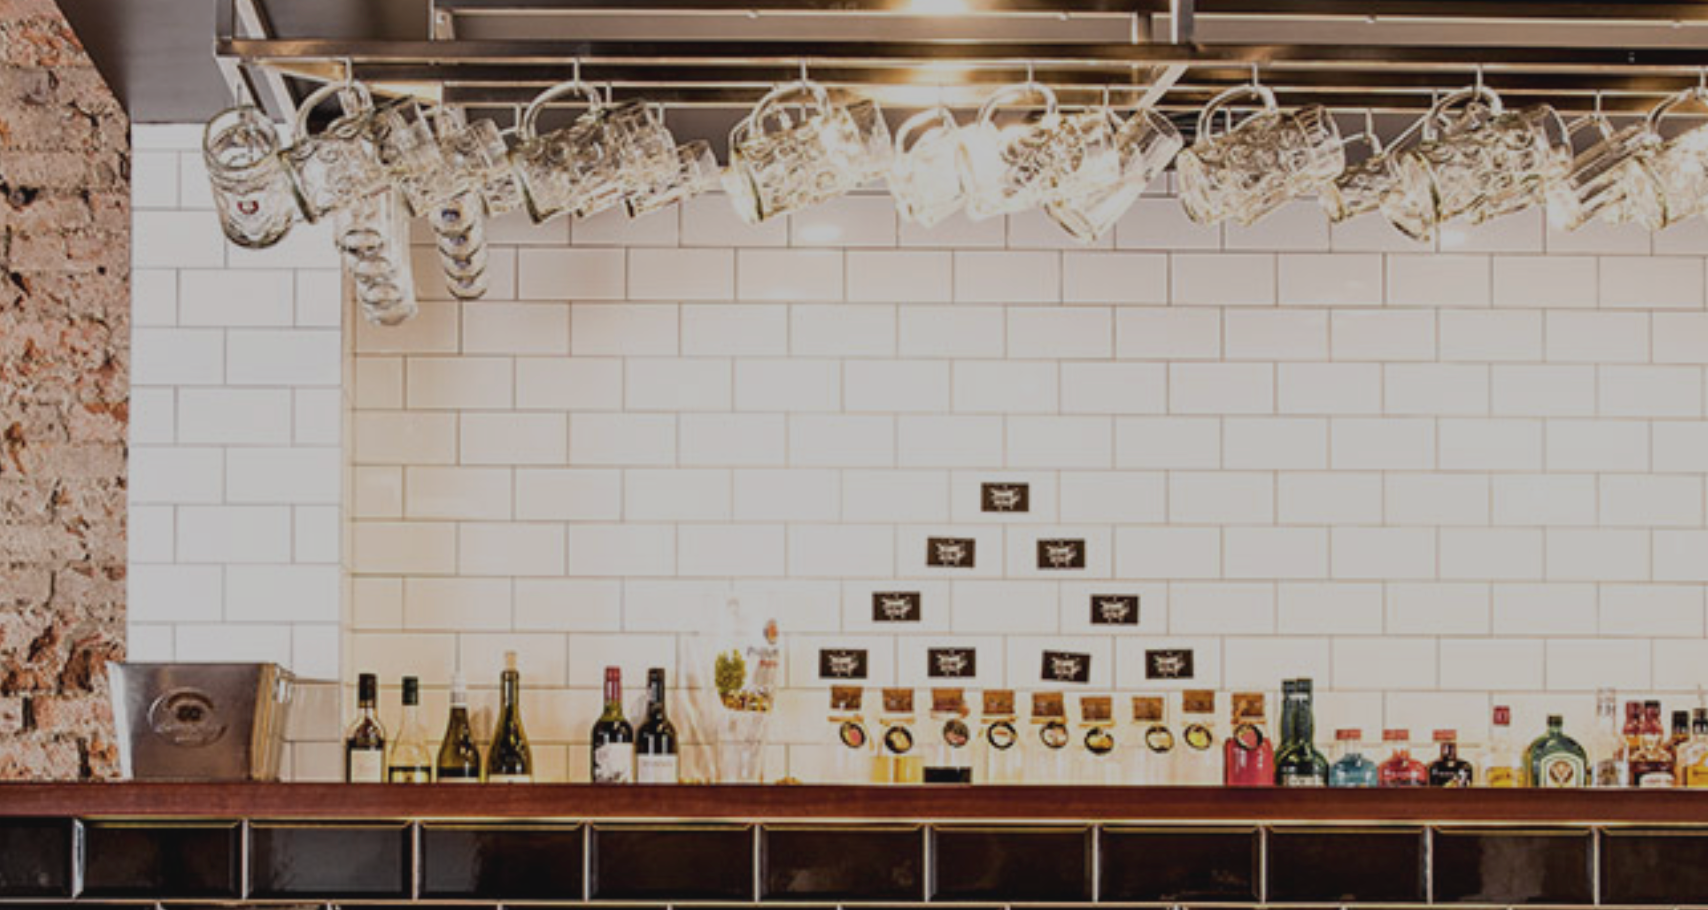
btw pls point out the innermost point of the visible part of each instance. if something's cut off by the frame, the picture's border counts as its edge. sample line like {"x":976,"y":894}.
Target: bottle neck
{"x":510,"y":686}
{"x":1449,"y":751}
{"x":613,"y":697}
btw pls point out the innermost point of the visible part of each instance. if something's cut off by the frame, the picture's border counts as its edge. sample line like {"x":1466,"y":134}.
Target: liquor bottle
{"x":1099,"y":764}
{"x":459,"y":757}
{"x":1351,"y":768}
{"x":1680,"y":730}
{"x":1249,"y":756}
{"x":509,"y":761}
{"x":1554,"y":759}
{"x":1049,"y":717}
{"x":1448,"y":769}
{"x":1197,"y":761}
{"x":1693,"y":758}
{"x":1297,"y":762}
{"x":1652,"y":763}
{"x":613,"y":738}
{"x":1157,"y":752}
{"x":898,"y":761}
{"x":655,"y":742}
{"x":1399,"y":769}
{"x":364,"y":748}
{"x":411,"y":763}
{"x":1607,"y":747}
{"x":1503,"y":766}
{"x":852,"y":743}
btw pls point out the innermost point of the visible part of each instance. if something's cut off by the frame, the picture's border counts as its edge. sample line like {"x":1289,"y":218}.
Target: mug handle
{"x":1694,"y":93}
{"x":1432,"y":120}
{"x":525,"y":129}
{"x":1207,"y":116}
{"x":939,"y":115}
{"x":762,"y":110}
{"x":1014,"y":92}
{"x":364,"y":101}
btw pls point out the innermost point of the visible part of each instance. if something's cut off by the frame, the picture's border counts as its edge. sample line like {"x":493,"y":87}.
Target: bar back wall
{"x":1427,"y":478}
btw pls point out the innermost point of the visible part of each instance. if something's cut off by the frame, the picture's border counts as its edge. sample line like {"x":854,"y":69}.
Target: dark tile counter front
{"x":1190,"y":852}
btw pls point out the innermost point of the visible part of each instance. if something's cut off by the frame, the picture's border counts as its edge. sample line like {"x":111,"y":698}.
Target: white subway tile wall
{"x":1429,"y":479}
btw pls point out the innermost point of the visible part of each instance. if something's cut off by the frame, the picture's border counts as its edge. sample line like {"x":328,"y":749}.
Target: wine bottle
{"x":655,"y":742}
{"x":459,"y":757}
{"x":410,"y":761}
{"x":508,"y":761}
{"x":613,"y":738}
{"x":364,"y":748}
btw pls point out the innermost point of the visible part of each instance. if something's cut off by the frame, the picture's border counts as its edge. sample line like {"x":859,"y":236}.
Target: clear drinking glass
{"x":1144,"y":144}
{"x":1436,"y":180}
{"x":797,"y":148}
{"x":373,"y":237}
{"x":251,"y":190}
{"x":1012,"y":167}
{"x":408,"y":145}
{"x":1264,"y":160}
{"x":340,"y":165}
{"x":925,"y":174}
{"x":559,"y":171}
{"x":1607,"y":180}
{"x":1676,"y":168}
{"x":696,"y":172}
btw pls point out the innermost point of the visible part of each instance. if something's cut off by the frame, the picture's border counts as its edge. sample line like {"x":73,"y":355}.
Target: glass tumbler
{"x":251,"y":190}
{"x":373,"y":238}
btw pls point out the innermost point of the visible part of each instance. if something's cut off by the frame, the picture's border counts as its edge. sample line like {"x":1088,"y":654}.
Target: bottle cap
{"x":459,"y":689}
{"x":1397,"y":735}
{"x":411,"y":690}
{"x":655,"y":673}
{"x":509,"y":661}
{"x":1502,"y":716}
{"x":1302,"y":686}
{"x":613,"y":674}
{"x":1446,"y":736}
{"x":1348,"y":735}
{"x":367,"y":687}
{"x":1556,"y":720}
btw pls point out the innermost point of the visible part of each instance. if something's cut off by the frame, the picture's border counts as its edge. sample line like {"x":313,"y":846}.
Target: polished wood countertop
{"x":855,"y":803}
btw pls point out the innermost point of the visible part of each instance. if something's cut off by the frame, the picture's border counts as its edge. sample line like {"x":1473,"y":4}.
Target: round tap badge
{"x":1098,"y":741}
{"x":853,"y":734}
{"x":1159,"y":739}
{"x":955,"y":732}
{"x":1054,"y":734}
{"x":1248,"y":737}
{"x":1199,"y":737}
{"x":898,"y":740}
{"x":1001,"y":735}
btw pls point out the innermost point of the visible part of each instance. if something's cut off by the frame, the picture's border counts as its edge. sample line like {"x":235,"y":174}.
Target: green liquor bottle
{"x":1297,"y":762}
{"x":1555,"y":759}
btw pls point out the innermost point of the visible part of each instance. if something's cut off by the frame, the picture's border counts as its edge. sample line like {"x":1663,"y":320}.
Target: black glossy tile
{"x":1513,"y":866}
{"x":35,"y":857}
{"x":356,"y":861}
{"x":1011,"y":864}
{"x":162,"y":860}
{"x":1367,"y":865}
{"x":1179,"y":864}
{"x":1654,"y":866}
{"x":871,"y":863}
{"x":649,"y":862}
{"x":513,"y":863}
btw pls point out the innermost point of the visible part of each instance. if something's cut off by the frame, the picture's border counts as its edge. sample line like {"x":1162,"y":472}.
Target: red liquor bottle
{"x":1400,"y":769}
{"x":1249,"y":756}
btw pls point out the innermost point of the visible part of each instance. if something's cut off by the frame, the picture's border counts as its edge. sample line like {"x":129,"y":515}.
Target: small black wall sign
{"x":1005,"y":497}
{"x":951,"y":663}
{"x":896,"y":606}
{"x":1172,"y":663}
{"x":1066,"y":666}
{"x":951,"y":552}
{"x":1114,"y":609}
{"x":1061,"y":554}
{"x":842,"y":663}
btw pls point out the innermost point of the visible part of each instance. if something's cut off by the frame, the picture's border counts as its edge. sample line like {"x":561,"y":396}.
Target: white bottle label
{"x":367,"y":766}
{"x":655,"y":769}
{"x":614,"y":763}
{"x":510,"y":779}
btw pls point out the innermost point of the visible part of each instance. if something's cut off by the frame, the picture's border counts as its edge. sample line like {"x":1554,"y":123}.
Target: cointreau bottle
{"x":1248,"y":756}
{"x":1400,"y":769}
{"x":1503,"y":767}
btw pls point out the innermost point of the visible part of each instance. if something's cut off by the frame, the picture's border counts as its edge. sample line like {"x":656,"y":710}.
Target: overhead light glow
{"x":938,"y":7}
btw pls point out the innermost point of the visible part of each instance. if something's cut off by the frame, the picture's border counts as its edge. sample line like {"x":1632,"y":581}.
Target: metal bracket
{"x":259,"y":85}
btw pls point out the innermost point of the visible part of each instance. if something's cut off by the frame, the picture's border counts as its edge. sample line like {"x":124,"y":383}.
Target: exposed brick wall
{"x":64,"y":396}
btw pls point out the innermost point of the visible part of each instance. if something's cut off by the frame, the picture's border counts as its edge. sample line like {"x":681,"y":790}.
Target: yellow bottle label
{"x":1497,"y":776}
{"x":1696,"y":775}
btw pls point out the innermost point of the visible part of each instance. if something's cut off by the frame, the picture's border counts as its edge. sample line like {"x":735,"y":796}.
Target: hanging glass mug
{"x":645,"y":154}
{"x":1261,"y":162}
{"x":559,"y":170}
{"x":696,"y":172}
{"x":1013,"y":167}
{"x":252,"y":192}
{"x":339,"y":165}
{"x":925,"y":173}
{"x":1607,"y":180}
{"x":797,"y":148}
{"x":1145,"y":143}
{"x":869,"y":158}
{"x":407,"y":143}
{"x":373,"y":238}
{"x":1361,"y":187}
{"x":1673,"y":184}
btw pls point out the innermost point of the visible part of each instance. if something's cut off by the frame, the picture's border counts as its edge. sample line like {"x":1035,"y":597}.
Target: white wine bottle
{"x":411,"y":763}
{"x":508,"y":761}
{"x":364,"y":747}
{"x":459,"y":757}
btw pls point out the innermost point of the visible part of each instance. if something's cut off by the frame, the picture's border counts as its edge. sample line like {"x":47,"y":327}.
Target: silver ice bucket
{"x":222,"y":722}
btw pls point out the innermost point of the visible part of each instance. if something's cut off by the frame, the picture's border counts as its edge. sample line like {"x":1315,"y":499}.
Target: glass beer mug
{"x":251,"y":191}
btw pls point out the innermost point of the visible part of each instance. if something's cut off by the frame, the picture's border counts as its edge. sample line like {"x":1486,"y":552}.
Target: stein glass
{"x":1677,"y":168}
{"x":696,"y":172}
{"x":251,"y":190}
{"x":1144,"y":145}
{"x":925,"y":176}
{"x":869,"y":159}
{"x":645,"y":154}
{"x":339,"y":165}
{"x":481,"y":161}
{"x":1361,"y":187}
{"x":408,"y":146}
{"x":557,"y":172}
{"x":794,"y":150}
{"x":1013,"y":167}
{"x":1436,"y":180}
{"x":1608,"y":180}
{"x":1521,"y":159}
{"x":373,"y":236}
{"x":459,"y":228}
{"x":1270,"y":157}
